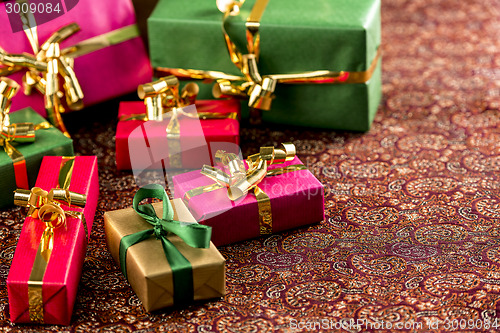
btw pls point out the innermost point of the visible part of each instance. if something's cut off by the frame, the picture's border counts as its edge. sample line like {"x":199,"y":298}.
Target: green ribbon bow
{"x":194,"y":234}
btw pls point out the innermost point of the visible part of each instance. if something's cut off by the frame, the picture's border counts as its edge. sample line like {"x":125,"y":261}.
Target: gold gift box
{"x":148,"y":270}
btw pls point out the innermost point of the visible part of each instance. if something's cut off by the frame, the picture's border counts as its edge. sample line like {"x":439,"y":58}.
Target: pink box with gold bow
{"x":297,"y":199}
{"x":117,"y":67}
{"x":147,"y":144}
{"x":43,"y":278}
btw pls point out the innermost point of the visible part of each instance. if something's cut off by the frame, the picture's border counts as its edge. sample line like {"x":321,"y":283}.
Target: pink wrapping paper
{"x":297,"y":198}
{"x":198,"y":143}
{"x":103,"y":74}
{"x":60,"y":282}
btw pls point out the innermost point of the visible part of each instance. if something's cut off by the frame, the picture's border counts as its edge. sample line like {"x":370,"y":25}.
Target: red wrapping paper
{"x":148,"y":140}
{"x":60,"y":282}
{"x":297,"y":199}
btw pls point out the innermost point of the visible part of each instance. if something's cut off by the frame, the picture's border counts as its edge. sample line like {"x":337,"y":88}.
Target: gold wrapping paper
{"x":148,"y":270}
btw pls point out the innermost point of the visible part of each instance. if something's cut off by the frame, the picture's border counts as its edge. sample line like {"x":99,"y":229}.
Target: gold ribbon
{"x":239,"y":181}
{"x":44,"y":70}
{"x":18,"y":132}
{"x":252,"y":85}
{"x":51,"y":208}
{"x":49,"y":63}
{"x":163,"y":99}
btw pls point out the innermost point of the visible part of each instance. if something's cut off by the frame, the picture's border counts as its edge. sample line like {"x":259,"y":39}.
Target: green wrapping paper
{"x":296,"y":36}
{"x":48,"y":142}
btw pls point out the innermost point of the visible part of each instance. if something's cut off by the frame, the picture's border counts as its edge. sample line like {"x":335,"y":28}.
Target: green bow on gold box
{"x":315,"y":64}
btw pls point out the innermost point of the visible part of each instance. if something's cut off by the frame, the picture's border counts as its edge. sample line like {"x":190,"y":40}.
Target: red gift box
{"x":49,"y":297}
{"x":147,"y":143}
{"x":297,"y":199}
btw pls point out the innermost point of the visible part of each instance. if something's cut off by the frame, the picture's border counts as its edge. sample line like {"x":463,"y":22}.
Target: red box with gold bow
{"x":171,"y":130}
{"x":271,"y":192}
{"x":47,"y":264}
{"x":81,"y":56}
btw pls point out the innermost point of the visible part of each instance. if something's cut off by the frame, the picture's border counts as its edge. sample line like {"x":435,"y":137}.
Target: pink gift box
{"x":199,"y":139}
{"x":64,"y":268}
{"x":103,"y":74}
{"x":297,"y":199}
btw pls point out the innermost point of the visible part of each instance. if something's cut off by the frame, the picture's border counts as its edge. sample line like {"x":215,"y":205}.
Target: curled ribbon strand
{"x":193,"y":234}
{"x":239,"y":181}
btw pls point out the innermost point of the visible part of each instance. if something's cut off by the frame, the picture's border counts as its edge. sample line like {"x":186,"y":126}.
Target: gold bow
{"x":48,"y":208}
{"x":44,"y":69}
{"x":239,"y":181}
{"x":259,"y":89}
{"x":163,"y":99}
{"x":163,"y":96}
{"x":19,"y":132}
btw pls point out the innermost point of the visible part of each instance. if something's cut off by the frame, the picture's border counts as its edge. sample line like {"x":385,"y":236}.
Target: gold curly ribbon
{"x":258,"y":89}
{"x":51,"y":208}
{"x":163,"y":100}
{"x":49,"y":63}
{"x":239,"y":181}
{"x":18,"y":132}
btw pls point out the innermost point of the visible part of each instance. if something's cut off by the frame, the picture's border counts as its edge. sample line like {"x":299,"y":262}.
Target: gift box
{"x":47,"y":264}
{"x":295,"y":37}
{"x":296,"y":198}
{"x":148,"y":270}
{"x":199,"y":137}
{"x":48,"y":141}
{"x":109,"y":55}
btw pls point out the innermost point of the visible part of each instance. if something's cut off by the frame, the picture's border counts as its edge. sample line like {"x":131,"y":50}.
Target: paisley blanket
{"x":411,"y":239}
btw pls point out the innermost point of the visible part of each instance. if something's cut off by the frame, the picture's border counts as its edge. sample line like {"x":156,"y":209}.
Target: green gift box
{"x":47,"y":142}
{"x":295,"y":37}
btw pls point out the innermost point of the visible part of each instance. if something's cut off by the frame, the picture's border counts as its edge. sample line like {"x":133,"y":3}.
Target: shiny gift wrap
{"x":60,"y":278}
{"x":294,"y":37}
{"x":110,"y":58}
{"x":47,"y":142}
{"x":215,"y":134}
{"x":296,"y":199}
{"x":148,"y":270}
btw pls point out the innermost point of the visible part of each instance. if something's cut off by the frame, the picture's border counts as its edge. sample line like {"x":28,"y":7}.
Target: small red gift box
{"x":47,"y":264}
{"x":147,"y":143}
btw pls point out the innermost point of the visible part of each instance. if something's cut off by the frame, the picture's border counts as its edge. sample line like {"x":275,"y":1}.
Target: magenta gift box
{"x":297,"y":199}
{"x":64,"y":268}
{"x":199,"y":139}
{"x":103,"y":74}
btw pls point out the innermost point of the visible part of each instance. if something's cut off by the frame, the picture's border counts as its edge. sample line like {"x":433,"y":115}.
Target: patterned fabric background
{"x":412,"y":226}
